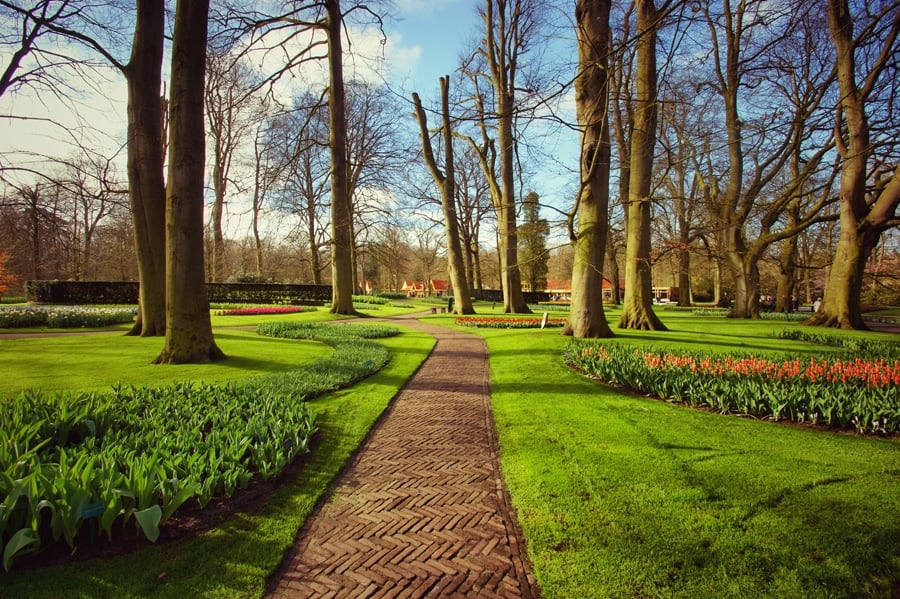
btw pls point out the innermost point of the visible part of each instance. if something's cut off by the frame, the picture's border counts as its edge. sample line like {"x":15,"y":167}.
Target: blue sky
{"x":432,"y":34}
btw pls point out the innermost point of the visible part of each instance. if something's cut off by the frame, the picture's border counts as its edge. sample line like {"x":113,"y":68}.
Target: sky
{"x":425,"y":39}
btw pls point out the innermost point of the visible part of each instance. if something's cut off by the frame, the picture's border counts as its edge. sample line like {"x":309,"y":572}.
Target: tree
{"x":63,"y":25}
{"x":231,"y":112}
{"x":189,"y":337}
{"x":637,"y":312}
{"x":533,"y":243}
{"x":6,"y":278}
{"x":862,"y":219}
{"x":586,"y":317}
{"x":146,"y":183}
{"x":341,"y":205}
{"x":446,"y":182}
{"x":509,"y":26}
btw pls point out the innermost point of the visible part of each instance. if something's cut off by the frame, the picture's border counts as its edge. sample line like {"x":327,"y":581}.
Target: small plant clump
{"x":63,"y":317}
{"x":863,"y":394}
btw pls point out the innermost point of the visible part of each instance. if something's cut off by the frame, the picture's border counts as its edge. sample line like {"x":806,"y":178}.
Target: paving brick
{"x":421,"y":510}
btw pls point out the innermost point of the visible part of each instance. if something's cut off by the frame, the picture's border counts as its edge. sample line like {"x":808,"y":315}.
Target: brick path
{"x":422,"y":510}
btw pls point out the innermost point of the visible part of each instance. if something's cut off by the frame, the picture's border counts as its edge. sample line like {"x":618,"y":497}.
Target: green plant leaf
{"x":148,"y":519}
{"x":22,"y":541}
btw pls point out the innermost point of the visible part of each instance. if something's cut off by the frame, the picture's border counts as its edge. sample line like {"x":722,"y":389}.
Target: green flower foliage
{"x":85,"y":462}
{"x":488,"y":322}
{"x":863,"y":394}
{"x":63,"y":317}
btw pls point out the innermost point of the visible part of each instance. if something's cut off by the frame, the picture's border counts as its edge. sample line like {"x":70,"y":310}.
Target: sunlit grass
{"x":99,"y":361}
{"x":236,"y":558}
{"x":623,"y":496}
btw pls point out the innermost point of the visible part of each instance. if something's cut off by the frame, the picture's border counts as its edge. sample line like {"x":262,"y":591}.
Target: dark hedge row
{"x":126,"y":292}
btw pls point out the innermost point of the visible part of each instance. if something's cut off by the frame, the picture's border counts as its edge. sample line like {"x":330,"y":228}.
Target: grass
{"x":623,"y":496}
{"x":235,"y":559}
{"x":98,"y":361}
{"x":618,"y":496}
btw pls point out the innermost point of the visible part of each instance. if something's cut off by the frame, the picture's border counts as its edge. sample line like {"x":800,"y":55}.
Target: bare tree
{"x":637,"y":310}
{"x":446,"y":182}
{"x":862,"y":218}
{"x":586,"y":316}
{"x":189,"y":337}
{"x":231,"y":112}
{"x":509,"y":27}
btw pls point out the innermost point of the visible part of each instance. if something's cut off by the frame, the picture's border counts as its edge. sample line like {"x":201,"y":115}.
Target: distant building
{"x":561,"y":290}
{"x":438,"y":287}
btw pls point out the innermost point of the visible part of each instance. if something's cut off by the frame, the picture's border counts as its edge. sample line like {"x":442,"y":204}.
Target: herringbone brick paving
{"x":422,"y":510}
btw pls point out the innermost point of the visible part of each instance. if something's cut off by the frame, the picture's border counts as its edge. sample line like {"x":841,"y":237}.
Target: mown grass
{"x":99,"y":361}
{"x":235,"y":559}
{"x":624,"y":496}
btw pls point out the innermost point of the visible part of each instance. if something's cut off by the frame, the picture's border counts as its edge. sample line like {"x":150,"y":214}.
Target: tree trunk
{"x":146,"y":184}
{"x":612,"y":267}
{"x":860,"y":223}
{"x":341,"y":209}
{"x":586,"y":316}
{"x":189,"y":338}
{"x":637,"y":310}
{"x":446,"y":182}
{"x":684,"y":275}
{"x":216,"y":216}
{"x":784,"y":294}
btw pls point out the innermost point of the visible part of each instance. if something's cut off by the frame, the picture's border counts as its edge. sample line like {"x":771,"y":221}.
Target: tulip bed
{"x":75,"y":465}
{"x":858,"y":393}
{"x":487,"y":322}
{"x":63,"y":317}
{"x":257,"y":310}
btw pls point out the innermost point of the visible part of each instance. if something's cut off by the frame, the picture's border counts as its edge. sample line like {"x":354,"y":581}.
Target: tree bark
{"x":503,"y":72}
{"x":861,"y":223}
{"x":637,"y":310}
{"x":341,"y":209}
{"x":446,"y":182}
{"x":146,"y":183}
{"x":586,"y":316}
{"x":189,"y":338}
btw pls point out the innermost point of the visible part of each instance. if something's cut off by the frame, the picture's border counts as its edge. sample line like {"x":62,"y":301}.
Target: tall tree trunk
{"x":189,"y":338}
{"x":784,"y":293}
{"x":861,"y":222}
{"x":612,"y":267}
{"x":146,"y":183}
{"x":446,"y":182}
{"x":637,"y":310}
{"x":684,"y":274}
{"x":586,"y":316}
{"x":341,"y":209}
{"x":501,"y":58}
{"x":217,"y":215}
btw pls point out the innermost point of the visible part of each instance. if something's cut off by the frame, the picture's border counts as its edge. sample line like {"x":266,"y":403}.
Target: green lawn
{"x":618,"y":496}
{"x":623,"y":496}
{"x":235,"y":559}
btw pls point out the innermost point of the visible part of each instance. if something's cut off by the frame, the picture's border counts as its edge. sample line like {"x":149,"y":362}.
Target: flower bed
{"x":863,"y":394}
{"x":74,"y":465}
{"x":256,"y":310}
{"x":63,"y":317}
{"x":491,"y":322}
